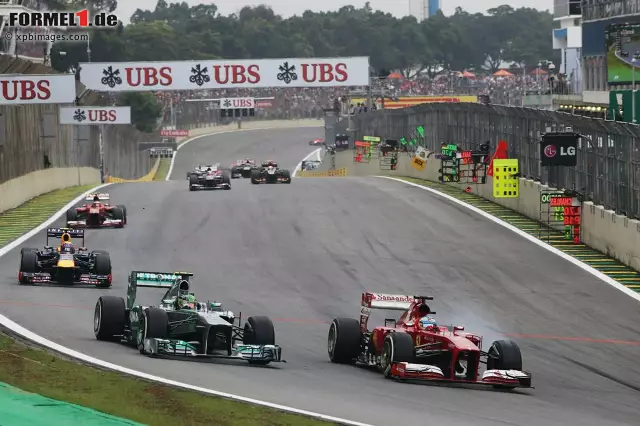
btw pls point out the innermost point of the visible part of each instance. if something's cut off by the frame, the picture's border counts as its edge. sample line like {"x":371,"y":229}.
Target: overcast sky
{"x":296,"y":7}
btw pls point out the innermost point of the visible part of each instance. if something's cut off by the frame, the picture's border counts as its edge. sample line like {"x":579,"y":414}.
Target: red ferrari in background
{"x":318,"y":141}
{"x":98,"y":214}
{"x":415,"y":347}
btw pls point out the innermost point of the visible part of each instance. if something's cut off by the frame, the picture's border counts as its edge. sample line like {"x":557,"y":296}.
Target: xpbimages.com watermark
{"x":23,"y":36}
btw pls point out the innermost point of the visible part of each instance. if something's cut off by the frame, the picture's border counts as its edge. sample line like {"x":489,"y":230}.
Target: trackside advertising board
{"x":225,"y":74}
{"x":88,"y":115}
{"x":37,"y":89}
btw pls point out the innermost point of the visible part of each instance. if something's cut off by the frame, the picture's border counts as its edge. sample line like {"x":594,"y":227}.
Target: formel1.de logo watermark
{"x":80,"y":19}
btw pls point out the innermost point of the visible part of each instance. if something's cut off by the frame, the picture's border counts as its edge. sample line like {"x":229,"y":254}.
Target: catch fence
{"x":608,"y":170}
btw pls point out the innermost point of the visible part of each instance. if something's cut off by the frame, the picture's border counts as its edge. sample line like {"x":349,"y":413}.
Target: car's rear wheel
{"x":344,"y":341}
{"x":109,"y":318}
{"x":154,"y":324}
{"x":397,"y":347}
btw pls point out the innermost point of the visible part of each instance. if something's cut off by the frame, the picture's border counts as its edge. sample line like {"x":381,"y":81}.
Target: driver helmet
{"x":428,"y":323}
{"x":96,"y":198}
{"x":186,"y":301}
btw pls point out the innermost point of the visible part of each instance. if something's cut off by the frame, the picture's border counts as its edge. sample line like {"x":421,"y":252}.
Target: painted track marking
{"x":523,"y":234}
{"x":29,"y":335}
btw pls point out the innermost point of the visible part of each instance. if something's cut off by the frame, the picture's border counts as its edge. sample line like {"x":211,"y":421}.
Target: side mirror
{"x":48,"y":247}
{"x":458,"y":328}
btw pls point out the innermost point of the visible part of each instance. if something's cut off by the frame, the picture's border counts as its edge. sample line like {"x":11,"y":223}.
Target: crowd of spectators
{"x":312,"y":102}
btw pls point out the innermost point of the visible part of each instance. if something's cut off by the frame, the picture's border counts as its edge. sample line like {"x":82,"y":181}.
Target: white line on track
{"x":29,"y":335}
{"x":613,"y":283}
{"x":299,"y":166}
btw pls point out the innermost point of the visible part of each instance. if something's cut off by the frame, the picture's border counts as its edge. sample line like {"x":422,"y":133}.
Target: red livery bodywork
{"x":97,"y":214}
{"x":411,"y":349}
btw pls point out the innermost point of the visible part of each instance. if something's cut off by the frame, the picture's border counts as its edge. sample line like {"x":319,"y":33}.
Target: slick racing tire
{"x":397,"y":347}
{"x":344,"y":341}
{"x":109,"y":318}
{"x":226,"y":178}
{"x":72,"y":215}
{"x":259,"y":331}
{"x":124,"y":212}
{"x":28,"y":263}
{"x":234,"y":173}
{"x":504,"y":355}
{"x":286,"y":175}
{"x":28,"y":249}
{"x":102,"y":266}
{"x":118,"y":214}
{"x":193,"y":180}
{"x":153,"y":324}
{"x":255,"y":176}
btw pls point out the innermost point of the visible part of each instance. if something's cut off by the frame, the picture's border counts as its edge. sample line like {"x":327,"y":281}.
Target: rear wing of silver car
{"x":165,"y":280}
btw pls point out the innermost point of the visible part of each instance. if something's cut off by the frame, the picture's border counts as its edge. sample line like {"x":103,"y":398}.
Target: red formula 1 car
{"x":98,"y":214}
{"x":415,"y":347}
{"x":318,"y":141}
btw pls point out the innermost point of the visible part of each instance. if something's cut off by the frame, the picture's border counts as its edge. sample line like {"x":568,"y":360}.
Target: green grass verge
{"x":22,"y":219}
{"x":41,"y":372}
{"x":597,"y":260}
{"x":163,"y":169}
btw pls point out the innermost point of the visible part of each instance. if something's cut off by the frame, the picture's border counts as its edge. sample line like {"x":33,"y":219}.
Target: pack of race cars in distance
{"x":209,"y":177}
{"x":98,"y":214}
{"x":180,"y":325}
{"x":415,"y":347}
{"x":66,"y":263}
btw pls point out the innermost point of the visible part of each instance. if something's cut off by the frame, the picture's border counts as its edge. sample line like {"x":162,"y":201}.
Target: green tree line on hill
{"x":177,"y":31}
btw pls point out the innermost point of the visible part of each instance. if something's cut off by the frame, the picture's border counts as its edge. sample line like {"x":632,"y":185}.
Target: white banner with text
{"x":225,"y":74}
{"x":88,"y":115}
{"x":37,"y":89}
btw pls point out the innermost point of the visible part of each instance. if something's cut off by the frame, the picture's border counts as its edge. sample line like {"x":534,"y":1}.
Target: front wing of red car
{"x":107,"y":223}
{"x":424,"y":372}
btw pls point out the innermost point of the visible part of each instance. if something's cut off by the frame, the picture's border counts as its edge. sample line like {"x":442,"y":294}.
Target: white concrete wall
{"x":603,"y":230}
{"x":20,"y":190}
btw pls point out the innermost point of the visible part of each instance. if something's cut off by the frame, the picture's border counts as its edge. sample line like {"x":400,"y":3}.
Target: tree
{"x":177,"y":31}
{"x":145,"y":109}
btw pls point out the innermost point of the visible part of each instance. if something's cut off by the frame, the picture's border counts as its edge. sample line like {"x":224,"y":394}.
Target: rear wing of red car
{"x":102,"y":196}
{"x":394,"y":302}
{"x":383,"y":301}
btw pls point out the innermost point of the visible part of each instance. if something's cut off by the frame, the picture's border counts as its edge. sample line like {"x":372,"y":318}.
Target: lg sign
{"x":551,"y":151}
{"x":559,"y":149}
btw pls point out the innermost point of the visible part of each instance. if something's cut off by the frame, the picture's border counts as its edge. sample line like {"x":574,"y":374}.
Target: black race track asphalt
{"x":303,"y":253}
